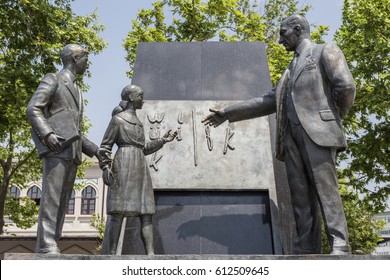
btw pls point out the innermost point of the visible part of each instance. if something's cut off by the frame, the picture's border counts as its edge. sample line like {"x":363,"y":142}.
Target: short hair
{"x":300,"y":20}
{"x":70,"y":51}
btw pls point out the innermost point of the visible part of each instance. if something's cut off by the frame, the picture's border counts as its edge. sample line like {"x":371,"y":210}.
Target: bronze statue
{"x":312,"y":97}
{"x":130,"y":190}
{"x":55,"y":113}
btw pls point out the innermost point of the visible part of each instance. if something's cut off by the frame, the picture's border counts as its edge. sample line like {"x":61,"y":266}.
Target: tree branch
{"x":22,"y":162}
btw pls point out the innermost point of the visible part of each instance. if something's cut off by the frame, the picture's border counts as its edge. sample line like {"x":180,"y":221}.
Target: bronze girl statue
{"x":130,"y":190}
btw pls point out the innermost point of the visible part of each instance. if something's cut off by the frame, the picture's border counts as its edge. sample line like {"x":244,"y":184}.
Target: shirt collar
{"x":302,"y":46}
{"x":71,"y":76}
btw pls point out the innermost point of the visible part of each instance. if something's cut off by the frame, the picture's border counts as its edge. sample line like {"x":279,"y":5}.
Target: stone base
{"x":29,"y":256}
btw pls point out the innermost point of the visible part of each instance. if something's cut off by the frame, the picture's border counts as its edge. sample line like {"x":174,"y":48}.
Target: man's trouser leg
{"x":57,"y":185}
{"x":314,"y":183}
{"x":303,"y":197}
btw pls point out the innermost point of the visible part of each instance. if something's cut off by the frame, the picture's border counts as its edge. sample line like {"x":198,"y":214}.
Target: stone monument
{"x":215,"y":189}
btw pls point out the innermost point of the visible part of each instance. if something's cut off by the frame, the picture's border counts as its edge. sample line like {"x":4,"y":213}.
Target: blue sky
{"x":109,"y":68}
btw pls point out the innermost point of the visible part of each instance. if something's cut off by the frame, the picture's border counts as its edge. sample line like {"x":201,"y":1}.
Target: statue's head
{"x":293,"y":31}
{"x":75,"y":56}
{"x":134,"y":94}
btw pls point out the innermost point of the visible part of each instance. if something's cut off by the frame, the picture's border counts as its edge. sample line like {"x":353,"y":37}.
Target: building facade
{"x":78,"y":236}
{"x":384,"y":247}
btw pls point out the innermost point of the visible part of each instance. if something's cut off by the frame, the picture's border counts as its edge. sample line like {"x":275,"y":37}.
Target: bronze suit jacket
{"x":56,"y":94}
{"x":322,"y":90}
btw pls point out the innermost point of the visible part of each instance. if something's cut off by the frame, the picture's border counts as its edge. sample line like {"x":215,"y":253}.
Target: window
{"x":35,"y":193}
{"x":14,"y":192}
{"x":88,"y":201}
{"x":69,"y":209}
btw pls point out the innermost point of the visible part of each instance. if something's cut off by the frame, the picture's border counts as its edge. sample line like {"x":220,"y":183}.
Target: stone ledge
{"x":31,"y":256}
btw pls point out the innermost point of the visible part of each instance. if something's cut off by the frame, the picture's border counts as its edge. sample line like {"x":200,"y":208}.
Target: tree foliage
{"x":364,"y":39}
{"x":99,"y":223}
{"x":22,"y":211}
{"x":32,"y":34}
{"x":363,"y":229}
{"x":223,"y":20}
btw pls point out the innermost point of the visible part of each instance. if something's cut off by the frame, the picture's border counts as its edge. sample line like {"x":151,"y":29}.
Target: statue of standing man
{"x":55,"y":113}
{"x":312,"y":97}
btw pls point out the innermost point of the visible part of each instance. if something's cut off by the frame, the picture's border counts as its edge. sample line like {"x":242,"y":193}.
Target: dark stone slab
{"x":202,"y":71}
{"x":206,"y":223}
{"x":168,"y":70}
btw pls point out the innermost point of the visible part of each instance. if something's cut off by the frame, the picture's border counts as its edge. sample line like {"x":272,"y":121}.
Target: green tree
{"x":99,"y":223}
{"x":363,"y":229}
{"x":21,"y":211}
{"x":364,"y":39}
{"x":32,"y":35}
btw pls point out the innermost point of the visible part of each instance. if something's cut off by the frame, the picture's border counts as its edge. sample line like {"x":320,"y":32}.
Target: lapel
{"x":280,"y":94}
{"x":303,"y":59}
{"x":280,"y":89}
{"x":74,"y":92}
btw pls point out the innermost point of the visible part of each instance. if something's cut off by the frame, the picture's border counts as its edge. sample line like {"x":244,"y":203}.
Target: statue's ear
{"x":131,"y":96}
{"x":298,"y":30}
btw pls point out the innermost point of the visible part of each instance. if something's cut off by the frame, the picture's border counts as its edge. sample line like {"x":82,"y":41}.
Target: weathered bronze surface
{"x":55,"y":113}
{"x":314,"y":94}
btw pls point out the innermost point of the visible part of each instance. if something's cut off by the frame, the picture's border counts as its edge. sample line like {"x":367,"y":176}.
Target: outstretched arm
{"x":156,"y":145}
{"x":249,"y":109}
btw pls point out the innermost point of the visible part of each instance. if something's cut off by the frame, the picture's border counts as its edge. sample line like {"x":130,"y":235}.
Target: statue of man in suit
{"x":55,"y":113}
{"x":313,"y":95}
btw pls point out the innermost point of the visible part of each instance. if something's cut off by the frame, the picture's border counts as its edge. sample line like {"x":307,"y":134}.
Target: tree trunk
{"x":4,"y":189}
{"x":3,"y":195}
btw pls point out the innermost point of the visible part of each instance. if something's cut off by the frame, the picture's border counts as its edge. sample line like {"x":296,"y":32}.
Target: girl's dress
{"x":131,"y":192}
